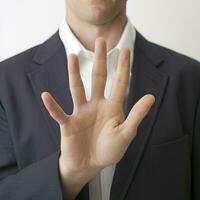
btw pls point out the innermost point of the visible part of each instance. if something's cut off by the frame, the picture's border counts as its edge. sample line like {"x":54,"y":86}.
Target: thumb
{"x":53,"y":108}
{"x":136,"y":115}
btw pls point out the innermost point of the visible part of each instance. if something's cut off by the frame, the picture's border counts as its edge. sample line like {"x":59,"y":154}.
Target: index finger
{"x":121,"y":77}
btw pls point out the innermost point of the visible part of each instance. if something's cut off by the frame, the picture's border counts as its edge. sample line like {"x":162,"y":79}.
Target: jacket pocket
{"x":171,"y":169}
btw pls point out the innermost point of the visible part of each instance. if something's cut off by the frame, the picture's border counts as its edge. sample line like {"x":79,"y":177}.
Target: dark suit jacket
{"x":161,"y":163}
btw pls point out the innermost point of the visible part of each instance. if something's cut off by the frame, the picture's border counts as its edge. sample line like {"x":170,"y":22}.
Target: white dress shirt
{"x":100,"y":185}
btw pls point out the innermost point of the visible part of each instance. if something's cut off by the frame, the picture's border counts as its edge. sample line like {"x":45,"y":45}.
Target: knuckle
{"x":75,"y":84}
{"x":99,"y":75}
{"x":120,"y":81}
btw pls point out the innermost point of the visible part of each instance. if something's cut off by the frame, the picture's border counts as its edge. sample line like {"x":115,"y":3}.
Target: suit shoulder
{"x":177,"y":60}
{"x":183,"y":71}
{"x":19,"y":60}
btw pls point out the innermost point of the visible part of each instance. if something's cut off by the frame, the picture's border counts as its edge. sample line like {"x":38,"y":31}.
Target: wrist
{"x":73,"y":180}
{"x":79,"y":174}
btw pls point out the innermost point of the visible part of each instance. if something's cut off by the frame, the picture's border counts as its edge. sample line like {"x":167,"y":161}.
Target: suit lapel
{"x":48,"y":72}
{"x":146,"y":78}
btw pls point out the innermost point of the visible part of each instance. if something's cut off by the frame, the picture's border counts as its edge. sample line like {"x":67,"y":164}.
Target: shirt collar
{"x":73,"y":45}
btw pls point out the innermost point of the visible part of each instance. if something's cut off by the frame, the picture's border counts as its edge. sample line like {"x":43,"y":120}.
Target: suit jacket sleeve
{"x":196,"y":157}
{"x":39,"y":180}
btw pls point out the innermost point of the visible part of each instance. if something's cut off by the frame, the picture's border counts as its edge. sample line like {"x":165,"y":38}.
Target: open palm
{"x":97,"y":134}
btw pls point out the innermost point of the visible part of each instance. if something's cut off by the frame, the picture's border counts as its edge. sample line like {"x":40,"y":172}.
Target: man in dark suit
{"x":46,"y":153}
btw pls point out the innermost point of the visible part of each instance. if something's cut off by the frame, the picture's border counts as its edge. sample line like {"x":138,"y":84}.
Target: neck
{"x":111,"y":31}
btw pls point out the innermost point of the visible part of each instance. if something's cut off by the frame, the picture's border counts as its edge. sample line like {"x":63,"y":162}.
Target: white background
{"x":171,"y":23}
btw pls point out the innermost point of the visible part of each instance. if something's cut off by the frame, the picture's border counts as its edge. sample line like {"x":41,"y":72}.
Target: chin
{"x":96,"y":20}
{"x":100,"y":15}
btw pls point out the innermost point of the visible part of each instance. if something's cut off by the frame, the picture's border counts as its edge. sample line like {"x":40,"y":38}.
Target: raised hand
{"x":97,"y":134}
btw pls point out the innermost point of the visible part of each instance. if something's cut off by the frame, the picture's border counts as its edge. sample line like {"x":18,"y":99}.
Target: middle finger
{"x":99,"y":71}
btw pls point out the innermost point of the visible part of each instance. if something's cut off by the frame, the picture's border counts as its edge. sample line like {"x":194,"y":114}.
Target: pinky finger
{"x":53,"y":108}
